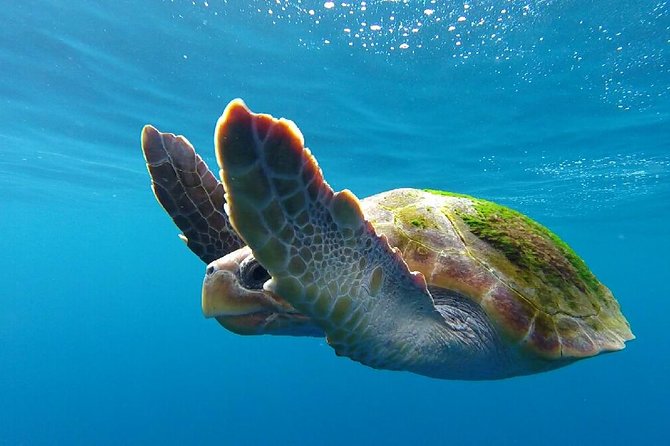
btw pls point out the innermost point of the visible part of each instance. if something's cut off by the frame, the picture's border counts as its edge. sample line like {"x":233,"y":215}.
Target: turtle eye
{"x":253,"y":275}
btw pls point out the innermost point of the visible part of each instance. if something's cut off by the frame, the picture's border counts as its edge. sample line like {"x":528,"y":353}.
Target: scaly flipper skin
{"x":323,"y":256}
{"x":189,"y":193}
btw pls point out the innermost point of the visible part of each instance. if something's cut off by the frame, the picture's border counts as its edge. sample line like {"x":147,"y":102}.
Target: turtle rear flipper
{"x":189,"y":193}
{"x":323,"y":256}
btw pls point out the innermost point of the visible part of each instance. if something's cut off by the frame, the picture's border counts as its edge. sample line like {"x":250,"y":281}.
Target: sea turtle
{"x":493,"y":293}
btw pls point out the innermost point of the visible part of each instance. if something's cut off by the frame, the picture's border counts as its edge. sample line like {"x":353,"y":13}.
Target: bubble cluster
{"x":617,"y":54}
{"x":402,"y":25}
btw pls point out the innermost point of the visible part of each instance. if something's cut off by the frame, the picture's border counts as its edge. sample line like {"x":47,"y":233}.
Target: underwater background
{"x":559,"y":109}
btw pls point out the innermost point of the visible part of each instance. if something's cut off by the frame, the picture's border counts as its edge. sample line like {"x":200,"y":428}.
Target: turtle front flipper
{"x":189,"y":193}
{"x":323,"y":256}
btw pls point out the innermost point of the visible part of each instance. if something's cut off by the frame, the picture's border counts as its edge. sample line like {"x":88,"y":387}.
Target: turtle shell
{"x":536,"y":290}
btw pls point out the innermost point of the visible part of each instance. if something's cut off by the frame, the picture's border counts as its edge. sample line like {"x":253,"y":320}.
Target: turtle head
{"x":232,"y":292}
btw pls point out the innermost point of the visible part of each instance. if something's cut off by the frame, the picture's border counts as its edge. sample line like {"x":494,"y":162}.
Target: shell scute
{"x":511,"y":312}
{"x":575,"y":339}
{"x":543,"y":338}
{"x":457,"y":270}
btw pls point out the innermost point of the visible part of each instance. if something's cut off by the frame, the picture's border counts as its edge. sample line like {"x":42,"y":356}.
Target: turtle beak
{"x":248,"y":311}
{"x":222,"y":294}
{"x":216,"y":288}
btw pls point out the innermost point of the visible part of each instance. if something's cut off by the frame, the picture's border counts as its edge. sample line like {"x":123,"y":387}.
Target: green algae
{"x":526,"y":243}
{"x":450,"y":194}
{"x":418,"y":223}
{"x":410,"y":214}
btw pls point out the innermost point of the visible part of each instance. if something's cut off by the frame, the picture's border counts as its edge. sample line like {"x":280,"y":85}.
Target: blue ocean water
{"x":558,"y":109}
